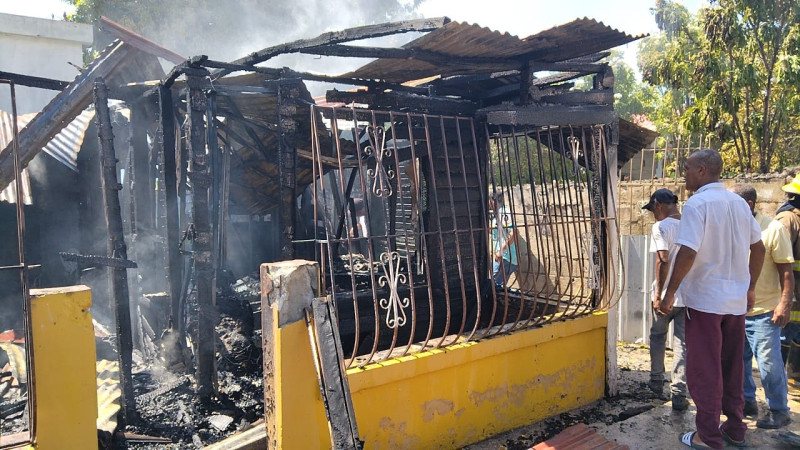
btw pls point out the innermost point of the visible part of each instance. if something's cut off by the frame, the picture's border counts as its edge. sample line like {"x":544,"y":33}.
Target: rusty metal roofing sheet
{"x":632,"y":139}
{"x":578,"y":38}
{"x":108,"y":395}
{"x":579,"y":437}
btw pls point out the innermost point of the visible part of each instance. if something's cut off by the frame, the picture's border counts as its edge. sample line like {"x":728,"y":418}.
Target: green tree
{"x":631,"y":97}
{"x":737,"y":63}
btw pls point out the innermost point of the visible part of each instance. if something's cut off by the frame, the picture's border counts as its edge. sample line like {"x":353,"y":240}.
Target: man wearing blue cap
{"x":664,"y":206}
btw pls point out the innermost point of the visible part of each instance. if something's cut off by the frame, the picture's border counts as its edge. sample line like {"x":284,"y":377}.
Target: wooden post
{"x":204,"y":269}
{"x":286,"y":167}
{"x":116,"y":249}
{"x":291,"y":386}
{"x":174,"y":269}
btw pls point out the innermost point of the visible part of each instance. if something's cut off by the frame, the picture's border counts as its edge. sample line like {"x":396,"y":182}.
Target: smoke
{"x":228,"y":30}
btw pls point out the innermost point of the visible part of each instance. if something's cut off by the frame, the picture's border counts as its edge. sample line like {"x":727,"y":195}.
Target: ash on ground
{"x":165,"y":398}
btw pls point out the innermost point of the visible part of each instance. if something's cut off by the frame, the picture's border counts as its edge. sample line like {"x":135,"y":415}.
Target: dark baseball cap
{"x":663,"y":196}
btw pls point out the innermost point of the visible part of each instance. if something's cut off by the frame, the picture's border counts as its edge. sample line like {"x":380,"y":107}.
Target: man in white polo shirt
{"x":717,"y":279}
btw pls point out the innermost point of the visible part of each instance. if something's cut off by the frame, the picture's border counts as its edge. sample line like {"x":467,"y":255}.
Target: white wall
{"x":42,"y":48}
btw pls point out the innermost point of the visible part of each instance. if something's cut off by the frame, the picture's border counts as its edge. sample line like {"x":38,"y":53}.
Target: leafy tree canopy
{"x":734,"y":71}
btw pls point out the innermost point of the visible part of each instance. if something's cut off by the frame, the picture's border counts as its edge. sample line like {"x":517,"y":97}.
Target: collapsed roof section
{"x":455,"y":68}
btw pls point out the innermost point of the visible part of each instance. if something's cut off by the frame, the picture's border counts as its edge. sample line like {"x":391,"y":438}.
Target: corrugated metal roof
{"x":9,"y":194}
{"x":578,"y":38}
{"x":108,"y":395}
{"x":64,"y":147}
{"x":632,"y":139}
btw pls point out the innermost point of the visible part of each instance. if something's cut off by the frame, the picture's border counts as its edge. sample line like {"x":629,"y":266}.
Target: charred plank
{"x":336,"y":37}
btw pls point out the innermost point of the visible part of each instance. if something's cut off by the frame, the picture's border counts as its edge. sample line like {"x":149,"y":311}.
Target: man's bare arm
{"x":662,"y":269}
{"x":757,"y":252}
{"x":782,"y":313}
{"x":683,"y":262}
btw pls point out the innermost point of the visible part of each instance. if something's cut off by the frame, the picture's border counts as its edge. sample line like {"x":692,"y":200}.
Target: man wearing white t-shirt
{"x":717,"y":279}
{"x":664,"y":206}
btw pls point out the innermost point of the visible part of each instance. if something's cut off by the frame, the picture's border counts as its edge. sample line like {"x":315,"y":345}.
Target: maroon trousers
{"x":715,"y":373}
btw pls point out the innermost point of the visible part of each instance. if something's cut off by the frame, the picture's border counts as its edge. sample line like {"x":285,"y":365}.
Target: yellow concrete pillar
{"x":64,"y":365}
{"x":293,"y":408}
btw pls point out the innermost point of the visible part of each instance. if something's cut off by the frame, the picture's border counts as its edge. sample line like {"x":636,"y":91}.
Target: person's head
{"x":358,"y":206}
{"x":792,"y":190}
{"x":663,"y":203}
{"x":702,"y":167}
{"x":495,"y":200}
{"x":747,"y":192}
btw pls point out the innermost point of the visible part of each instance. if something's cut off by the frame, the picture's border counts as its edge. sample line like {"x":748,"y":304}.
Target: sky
{"x":518,"y":17}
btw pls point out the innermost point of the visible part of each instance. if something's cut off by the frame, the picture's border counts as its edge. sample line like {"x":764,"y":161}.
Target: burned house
{"x":220,"y":166}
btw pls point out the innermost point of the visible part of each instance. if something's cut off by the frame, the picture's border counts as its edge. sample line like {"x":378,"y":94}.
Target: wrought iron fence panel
{"x":407,"y":238}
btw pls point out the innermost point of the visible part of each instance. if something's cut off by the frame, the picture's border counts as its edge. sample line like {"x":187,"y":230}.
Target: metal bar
{"x":23,"y":273}
{"x":203,"y":258}
{"x":333,"y":249}
{"x":454,"y":217}
{"x":370,"y":249}
{"x":424,"y":238}
{"x":116,"y":249}
{"x":413,"y":216}
{"x":472,"y":229}
{"x":31,"y":81}
{"x":439,"y":232}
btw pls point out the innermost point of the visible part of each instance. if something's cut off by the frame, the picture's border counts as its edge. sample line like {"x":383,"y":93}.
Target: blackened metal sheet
{"x":632,"y":139}
{"x":578,"y":38}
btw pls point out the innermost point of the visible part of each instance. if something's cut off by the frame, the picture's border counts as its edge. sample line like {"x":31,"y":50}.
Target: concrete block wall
{"x":633,"y":195}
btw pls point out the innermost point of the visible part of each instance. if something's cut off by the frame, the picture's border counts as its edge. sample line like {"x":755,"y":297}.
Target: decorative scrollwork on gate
{"x":394,"y":305}
{"x":381,"y":186}
{"x":591,"y":251}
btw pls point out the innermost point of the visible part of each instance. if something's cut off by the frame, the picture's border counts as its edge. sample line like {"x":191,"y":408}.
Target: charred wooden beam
{"x":406,"y":101}
{"x":216,"y":179}
{"x":377,"y":84}
{"x":526,"y":73}
{"x":190,"y":67}
{"x":604,"y":97}
{"x":165,"y":140}
{"x":232,"y":67}
{"x":287,"y":167}
{"x":200,"y":179}
{"x":116,"y":249}
{"x":337,"y":37}
{"x":142,"y":193}
{"x":36,"y":82}
{"x":548,"y":115}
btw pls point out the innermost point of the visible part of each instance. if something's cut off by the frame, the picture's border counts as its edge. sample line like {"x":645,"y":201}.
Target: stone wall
{"x":635,"y":194}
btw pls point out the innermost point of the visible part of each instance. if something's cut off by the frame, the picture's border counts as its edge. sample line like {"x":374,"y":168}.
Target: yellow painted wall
{"x":462,"y":394}
{"x":64,"y":364}
{"x":297,"y":412}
